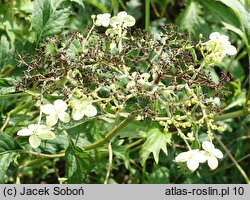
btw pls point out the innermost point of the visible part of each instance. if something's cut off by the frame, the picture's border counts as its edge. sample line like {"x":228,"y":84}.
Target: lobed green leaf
{"x":156,"y":140}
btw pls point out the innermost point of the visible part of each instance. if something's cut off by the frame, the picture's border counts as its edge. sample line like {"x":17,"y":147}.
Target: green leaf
{"x":80,"y":2}
{"x":190,"y":17}
{"x":7,"y":84}
{"x":236,"y":30}
{"x":242,"y":13}
{"x":159,"y":175}
{"x":5,"y":52}
{"x":97,"y":4}
{"x":195,"y":130}
{"x":123,"y":154}
{"x":5,"y":161}
{"x":7,"y":144}
{"x":156,"y":140}
{"x":211,"y":72}
{"x":54,"y":146}
{"x":78,"y":164}
{"x":8,"y":152}
{"x":234,"y":67}
{"x":238,"y":100}
{"x":221,"y":11}
{"x":47,"y":18}
{"x":134,"y":130}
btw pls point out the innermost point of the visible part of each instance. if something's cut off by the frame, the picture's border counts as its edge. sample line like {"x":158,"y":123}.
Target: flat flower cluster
{"x":57,"y":112}
{"x":194,"y":157}
{"x":154,"y":77}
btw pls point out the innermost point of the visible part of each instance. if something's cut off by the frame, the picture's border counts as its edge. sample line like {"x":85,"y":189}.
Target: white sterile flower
{"x":212,"y":154}
{"x":223,"y":43}
{"x":82,"y":107}
{"x":37,"y":133}
{"x":122,"y":20}
{"x":192,"y":157}
{"x":220,"y":45}
{"x":103,"y":20}
{"x":55,"y":112}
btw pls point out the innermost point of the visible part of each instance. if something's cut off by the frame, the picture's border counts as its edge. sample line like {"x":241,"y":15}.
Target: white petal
{"x":231,"y":50}
{"x":51,"y":120}
{"x":202,"y":156}
{"x":48,"y":109}
{"x":224,"y":39}
{"x":41,"y":128}
{"x":217,"y":153}
{"x":90,"y":111}
{"x":99,"y":16}
{"x":212,"y":162}
{"x":214,"y":36}
{"x":105,"y":23}
{"x":25,"y":132}
{"x":98,"y":22}
{"x":208,"y":146}
{"x":192,"y":164}
{"x":47,"y":135}
{"x":64,"y":117}
{"x":129,"y":21}
{"x":34,"y":141}
{"x":182,"y":157}
{"x":122,"y":14}
{"x":33,"y":127}
{"x":106,"y":16}
{"x":60,"y":105}
{"x":114,"y":21}
{"x":77,"y":114}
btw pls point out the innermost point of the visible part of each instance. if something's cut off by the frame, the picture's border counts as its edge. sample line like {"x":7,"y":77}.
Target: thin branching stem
{"x":242,"y":172}
{"x":110,"y":163}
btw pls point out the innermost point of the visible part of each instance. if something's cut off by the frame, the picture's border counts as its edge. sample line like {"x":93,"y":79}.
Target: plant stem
{"x":134,"y":144}
{"x":97,"y":144}
{"x":87,"y":37}
{"x":13,"y":95}
{"x":147,"y":13}
{"x":110,"y":135}
{"x":44,"y":155}
{"x":9,"y":132}
{"x":110,"y":163}
{"x":248,"y":92}
{"x":230,"y":115}
{"x":16,"y":110}
{"x":32,"y":162}
{"x":242,"y":172}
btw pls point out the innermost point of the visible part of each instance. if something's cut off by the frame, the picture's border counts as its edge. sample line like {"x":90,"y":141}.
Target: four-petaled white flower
{"x":103,"y":20}
{"x":82,"y":107}
{"x":192,"y":157}
{"x":55,"y":112}
{"x":222,"y":43}
{"x":37,"y":133}
{"x":122,"y":20}
{"x":217,"y":48}
{"x":212,"y":154}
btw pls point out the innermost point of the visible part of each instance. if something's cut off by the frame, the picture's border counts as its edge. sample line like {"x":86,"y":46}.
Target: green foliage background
{"x":25,"y":24}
